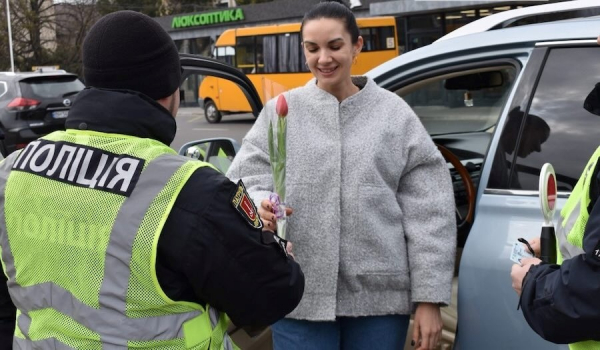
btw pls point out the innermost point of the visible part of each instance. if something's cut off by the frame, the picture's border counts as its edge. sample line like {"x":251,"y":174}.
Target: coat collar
{"x":365,"y":84}
{"x":121,"y":112}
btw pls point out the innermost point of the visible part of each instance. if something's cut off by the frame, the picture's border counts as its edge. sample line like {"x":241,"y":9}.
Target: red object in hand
{"x":551,"y":192}
{"x":282,"y":107}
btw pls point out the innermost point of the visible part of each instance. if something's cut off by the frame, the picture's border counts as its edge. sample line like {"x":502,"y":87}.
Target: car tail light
{"x":22,"y":104}
{"x":20,"y":145}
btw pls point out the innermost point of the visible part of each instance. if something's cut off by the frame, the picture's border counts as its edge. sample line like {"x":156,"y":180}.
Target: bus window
{"x":244,"y":54}
{"x":260,"y":59}
{"x":289,"y":53}
{"x":386,"y":38}
{"x":303,"y":65}
{"x":225,"y":54}
{"x":269,"y":48}
{"x":367,"y":40}
{"x":378,"y":38}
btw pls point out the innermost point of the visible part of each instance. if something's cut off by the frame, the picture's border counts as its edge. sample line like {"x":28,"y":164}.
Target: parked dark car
{"x":33,"y":104}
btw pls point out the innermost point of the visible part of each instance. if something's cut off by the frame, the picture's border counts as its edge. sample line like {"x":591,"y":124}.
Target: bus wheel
{"x":211,"y":112}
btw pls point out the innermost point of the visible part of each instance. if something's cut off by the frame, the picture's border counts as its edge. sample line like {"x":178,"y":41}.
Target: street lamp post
{"x":12,"y":61}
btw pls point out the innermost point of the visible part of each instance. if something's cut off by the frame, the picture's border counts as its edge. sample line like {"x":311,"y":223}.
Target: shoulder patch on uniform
{"x":245,"y":206}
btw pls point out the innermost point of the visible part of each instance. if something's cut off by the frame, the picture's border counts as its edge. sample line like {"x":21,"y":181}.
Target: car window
{"x":461,"y":102}
{"x":558,"y":129}
{"x":3,"y":88}
{"x":50,"y":87}
{"x":460,"y":110}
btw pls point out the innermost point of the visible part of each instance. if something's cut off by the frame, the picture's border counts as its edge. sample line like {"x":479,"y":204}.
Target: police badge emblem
{"x":245,"y":206}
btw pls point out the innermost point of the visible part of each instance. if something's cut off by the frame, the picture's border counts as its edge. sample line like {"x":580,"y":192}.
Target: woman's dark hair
{"x":335,"y":10}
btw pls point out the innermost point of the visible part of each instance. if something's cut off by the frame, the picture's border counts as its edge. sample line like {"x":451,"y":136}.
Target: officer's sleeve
{"x":561,"y":302}
{"x":236,"y":267}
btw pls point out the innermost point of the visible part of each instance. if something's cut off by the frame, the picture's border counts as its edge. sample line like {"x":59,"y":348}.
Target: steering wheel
{"x":467,"y":182}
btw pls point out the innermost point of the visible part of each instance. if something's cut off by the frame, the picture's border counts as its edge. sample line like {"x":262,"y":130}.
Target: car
{"x":499,"y":104}
{"x":33,"y":104}
{"x":504,"y":102}
{"x":540,"y":13}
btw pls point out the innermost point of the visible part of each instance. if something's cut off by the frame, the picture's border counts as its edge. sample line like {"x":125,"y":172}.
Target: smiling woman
{"x":330,"y":51}
{"x":352,"y":212}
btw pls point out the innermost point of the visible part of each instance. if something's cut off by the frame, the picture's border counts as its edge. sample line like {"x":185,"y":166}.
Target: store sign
{"x":203,"y":19}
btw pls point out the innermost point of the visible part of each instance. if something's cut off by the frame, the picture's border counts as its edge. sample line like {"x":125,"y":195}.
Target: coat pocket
{"x":378,"y":244}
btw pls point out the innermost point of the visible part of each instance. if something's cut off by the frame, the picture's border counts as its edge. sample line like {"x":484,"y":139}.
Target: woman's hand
{"x":427,"y":326}
{"x":269,"y":220}
{"x":265,"y":211}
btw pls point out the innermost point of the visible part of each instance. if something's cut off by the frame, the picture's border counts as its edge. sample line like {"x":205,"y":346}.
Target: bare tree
{"x":4,"y":47}
{"x":148,"y":7}
{"x":33,"y":29}
{"x":73,"y":21}
{"x":46,"y":32}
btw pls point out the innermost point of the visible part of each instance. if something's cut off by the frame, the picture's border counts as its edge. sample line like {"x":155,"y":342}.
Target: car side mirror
{"x":219,"y":152}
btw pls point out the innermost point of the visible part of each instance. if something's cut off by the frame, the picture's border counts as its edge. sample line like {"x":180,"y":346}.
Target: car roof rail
{"x":506,"y":18}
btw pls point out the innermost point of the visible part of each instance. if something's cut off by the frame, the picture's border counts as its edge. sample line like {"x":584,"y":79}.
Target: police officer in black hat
{"x":110,"y":239}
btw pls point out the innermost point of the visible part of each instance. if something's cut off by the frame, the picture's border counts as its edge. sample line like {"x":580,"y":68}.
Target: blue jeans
{"x":345,"y":333}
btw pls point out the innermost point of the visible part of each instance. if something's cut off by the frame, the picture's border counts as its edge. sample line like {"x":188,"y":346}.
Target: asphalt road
{"x":191,"y":125}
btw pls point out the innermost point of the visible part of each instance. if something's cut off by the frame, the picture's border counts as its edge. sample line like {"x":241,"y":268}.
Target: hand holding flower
{"x":277,"y":157}
{"x":267,"y":215}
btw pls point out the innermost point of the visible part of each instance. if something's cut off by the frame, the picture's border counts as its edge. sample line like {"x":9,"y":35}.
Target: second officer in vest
{"x":561,"y":302}
{"x":110,"y":240}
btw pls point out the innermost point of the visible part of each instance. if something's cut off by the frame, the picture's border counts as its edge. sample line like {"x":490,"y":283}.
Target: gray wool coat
{"x":373,"y":225}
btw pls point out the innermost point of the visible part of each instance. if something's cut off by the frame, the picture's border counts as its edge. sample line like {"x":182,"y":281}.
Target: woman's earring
{"x":354,"y":60}
{"x":306,"y":64}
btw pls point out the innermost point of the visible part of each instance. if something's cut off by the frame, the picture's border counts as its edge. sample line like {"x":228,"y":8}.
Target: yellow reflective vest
{"x":81,"y":216}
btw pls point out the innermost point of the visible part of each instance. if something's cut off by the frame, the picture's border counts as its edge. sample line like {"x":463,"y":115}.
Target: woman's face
{"x":329,"y":51}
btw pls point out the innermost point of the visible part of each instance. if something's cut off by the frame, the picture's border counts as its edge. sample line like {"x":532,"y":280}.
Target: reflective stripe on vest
{"x":110,"y":320}
{"x":567,"y":250}
{"x":50,"y":343}
{"x":569,"y":234}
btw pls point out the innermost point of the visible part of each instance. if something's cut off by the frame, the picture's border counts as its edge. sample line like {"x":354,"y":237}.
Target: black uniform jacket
{"x":207,"y":251}
{"x":562,"y":302}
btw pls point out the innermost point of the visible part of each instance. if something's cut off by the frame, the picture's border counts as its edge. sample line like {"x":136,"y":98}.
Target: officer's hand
{"x":536,"y":246}
{"x":265,"y":211}
{"x":518,"y":272}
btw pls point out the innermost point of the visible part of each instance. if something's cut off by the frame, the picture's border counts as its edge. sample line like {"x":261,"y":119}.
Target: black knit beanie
{"x":129,"y":50}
